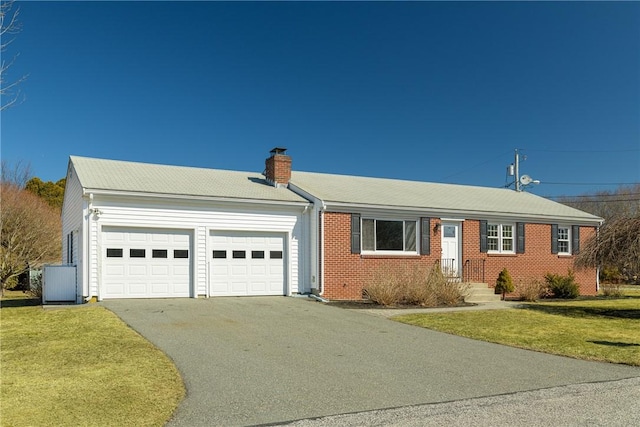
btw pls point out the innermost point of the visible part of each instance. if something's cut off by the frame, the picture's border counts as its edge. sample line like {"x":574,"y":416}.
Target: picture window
{"x":389,"y":235}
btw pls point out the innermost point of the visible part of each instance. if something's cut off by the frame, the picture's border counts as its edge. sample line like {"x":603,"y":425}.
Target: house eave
{"x":166,"y":196}
{"x":467,"y":214}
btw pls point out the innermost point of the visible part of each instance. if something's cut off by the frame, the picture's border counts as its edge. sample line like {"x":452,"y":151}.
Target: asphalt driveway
{"x":259,"y":360}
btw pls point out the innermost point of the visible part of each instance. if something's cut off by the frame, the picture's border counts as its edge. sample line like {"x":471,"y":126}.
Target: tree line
{"x":616,"y":248}
{"x":31,"y":228}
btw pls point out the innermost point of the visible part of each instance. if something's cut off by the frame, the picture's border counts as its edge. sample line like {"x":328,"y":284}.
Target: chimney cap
{"x":278,"y":150}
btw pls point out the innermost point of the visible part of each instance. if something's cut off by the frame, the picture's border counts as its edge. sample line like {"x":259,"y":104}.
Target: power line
{"x":598,"y":196}
{"x":600,"y":201}
{"x":629,"y":150}
{"x":589,"y":183}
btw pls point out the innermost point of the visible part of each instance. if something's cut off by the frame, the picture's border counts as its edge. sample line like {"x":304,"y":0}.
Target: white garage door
{"x":247,"y":264}
{"x":146,"y":263}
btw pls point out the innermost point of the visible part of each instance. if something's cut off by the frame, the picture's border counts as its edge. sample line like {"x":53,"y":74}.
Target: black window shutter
{"x":575,"y":239}
{"x":425,"y":236}
{"x":520,"y":237}
{"x":355,"y":233}
{"x":483,"y":236}
{"x":554,"y":238}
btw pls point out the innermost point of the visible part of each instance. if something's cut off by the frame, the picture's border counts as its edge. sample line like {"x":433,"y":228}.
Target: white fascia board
{"x":155,"y":196}
{"x":470,"y":214}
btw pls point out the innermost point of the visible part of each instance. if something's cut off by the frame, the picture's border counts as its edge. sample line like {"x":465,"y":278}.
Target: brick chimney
{"x":278,"y":167}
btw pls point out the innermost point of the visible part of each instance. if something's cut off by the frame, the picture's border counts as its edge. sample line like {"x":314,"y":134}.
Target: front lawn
{"x":601,"y":329}
{"x":81,"y":366}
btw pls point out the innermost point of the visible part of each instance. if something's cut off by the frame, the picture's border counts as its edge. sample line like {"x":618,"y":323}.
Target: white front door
{"x":450,"y":261}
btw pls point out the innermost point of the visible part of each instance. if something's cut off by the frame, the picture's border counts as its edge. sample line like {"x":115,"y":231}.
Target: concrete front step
{"x":481,"y":292}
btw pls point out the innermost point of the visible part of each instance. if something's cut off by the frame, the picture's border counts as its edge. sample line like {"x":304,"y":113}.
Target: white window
{"x":380,"y":235}
{"x":564,"y":240}
{"x":500,"y":238}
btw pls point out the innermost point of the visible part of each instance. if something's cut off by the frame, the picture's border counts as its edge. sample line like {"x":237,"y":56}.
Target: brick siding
{"x":346,"y":274}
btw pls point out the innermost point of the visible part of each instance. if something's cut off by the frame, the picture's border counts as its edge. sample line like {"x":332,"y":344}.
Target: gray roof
{"x":343,"y":191}
{"x":456,"y":200}
{"x":121,"y":176}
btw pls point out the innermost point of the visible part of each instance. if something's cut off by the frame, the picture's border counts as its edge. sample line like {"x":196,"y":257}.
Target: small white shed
{"x":59,"y":284}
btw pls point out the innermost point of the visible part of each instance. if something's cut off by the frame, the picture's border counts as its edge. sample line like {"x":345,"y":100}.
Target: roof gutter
{"x":468,"y":214}
{"x":138,"y":194}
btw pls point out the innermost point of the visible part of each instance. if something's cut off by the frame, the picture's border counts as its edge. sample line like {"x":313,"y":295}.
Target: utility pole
{"x":517,"y":171}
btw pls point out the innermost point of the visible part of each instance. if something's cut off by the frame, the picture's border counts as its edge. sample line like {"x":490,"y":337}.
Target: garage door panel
{"x":115,"y":270}
{"x":156,"y":271}
{"x":160,"y":238}
{"x":248,"y":268}
{"x":160,"y":270}
{"x":137,"y":288}
{"x":137,"y":270}
{"x":137,"y":237}
{"x":258,"y":270}
{"x":160,"y":289}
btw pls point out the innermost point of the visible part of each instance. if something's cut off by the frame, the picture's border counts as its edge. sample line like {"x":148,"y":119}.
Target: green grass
{"x":81,"y":366}
{"x":600,"y":329}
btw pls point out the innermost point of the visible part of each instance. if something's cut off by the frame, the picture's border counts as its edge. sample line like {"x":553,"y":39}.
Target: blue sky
{"x":432,"y":91}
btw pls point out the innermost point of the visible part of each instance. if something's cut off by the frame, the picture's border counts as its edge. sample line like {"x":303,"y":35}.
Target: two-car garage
{"x":159,"y":263}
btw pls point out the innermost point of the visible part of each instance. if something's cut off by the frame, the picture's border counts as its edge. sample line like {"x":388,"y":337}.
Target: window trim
{"x":501,"y":238}
{"x":417,"y":239}
{"x":568,"y":240}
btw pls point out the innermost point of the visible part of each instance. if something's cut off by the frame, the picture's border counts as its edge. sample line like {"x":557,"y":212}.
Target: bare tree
{"x":616,"y":248}
{"x":18,"y":174}
{"x":30,"y":235}
{"x":616,"y":245}
{"x":9,"y":26}
{"x":624,"y":202}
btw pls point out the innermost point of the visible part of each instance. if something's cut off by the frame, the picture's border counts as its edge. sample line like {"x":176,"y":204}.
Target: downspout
{"x":86,"y":247}
{"x":321,"y":225}
{"x":598,"y":265}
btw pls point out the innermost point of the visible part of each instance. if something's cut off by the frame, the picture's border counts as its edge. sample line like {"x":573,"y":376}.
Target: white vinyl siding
{"x":72,"y":225}
{"x":198,"y":220}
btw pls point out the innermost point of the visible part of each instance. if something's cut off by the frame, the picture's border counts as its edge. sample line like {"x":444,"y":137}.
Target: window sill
{"x":565,"y":256}
{"x":513,"y":255}
{"x":388,"y":255}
